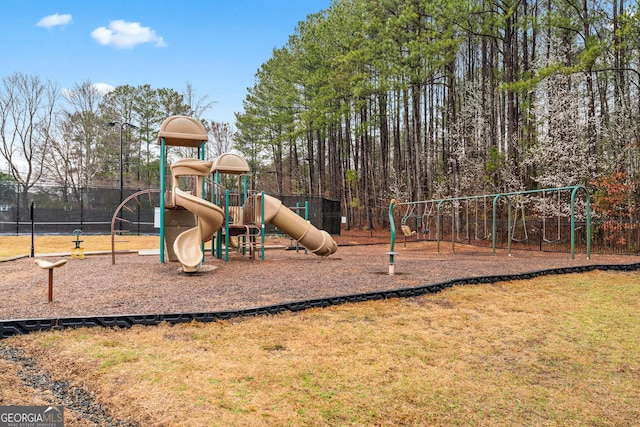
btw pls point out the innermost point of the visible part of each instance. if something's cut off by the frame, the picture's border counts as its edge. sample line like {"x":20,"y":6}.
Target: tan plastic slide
{"x":187,"y":245}
{"x":317,"y":241}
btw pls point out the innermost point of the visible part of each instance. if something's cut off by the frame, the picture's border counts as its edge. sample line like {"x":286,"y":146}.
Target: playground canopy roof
{"x":182,"y":131}
{"x":230,"y":163}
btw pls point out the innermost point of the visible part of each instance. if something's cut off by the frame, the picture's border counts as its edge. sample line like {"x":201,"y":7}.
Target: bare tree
{"x":221,"y":135}
{"x":75,"y":150}
{"x":198,"y":105}
{"x":26,"y":116}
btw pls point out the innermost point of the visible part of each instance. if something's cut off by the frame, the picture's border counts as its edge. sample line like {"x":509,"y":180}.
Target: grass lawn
{"x":557,"y":350}
{"x":11,"y":246}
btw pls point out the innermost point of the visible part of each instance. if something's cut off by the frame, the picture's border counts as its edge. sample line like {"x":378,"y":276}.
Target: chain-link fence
{"x":60,"y":210}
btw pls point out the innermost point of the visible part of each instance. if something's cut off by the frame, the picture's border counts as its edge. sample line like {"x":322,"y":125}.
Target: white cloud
{"x":100,"y":88}
{"x":103,"y":88}
{"x":122,"y":34}
{"x":54,"y":21}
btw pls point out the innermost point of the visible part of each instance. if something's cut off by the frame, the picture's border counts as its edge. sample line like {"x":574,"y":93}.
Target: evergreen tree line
{"x":371,"y":100}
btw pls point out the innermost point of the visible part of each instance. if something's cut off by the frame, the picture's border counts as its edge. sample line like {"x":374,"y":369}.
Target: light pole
{"x":122,"y":126}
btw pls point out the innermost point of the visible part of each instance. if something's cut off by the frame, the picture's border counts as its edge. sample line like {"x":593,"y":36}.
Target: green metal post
{"x":202,"y":193}
{"x":216,"y":194}
{"x":162,"y":201}
{"x":262,"y":222}
{"x":494,"y":224}
{"x":453,"y":231}
{"x":573,"y":223}
{"x":216,"y":179}
{"x":392,"y":225}
{"x":588,"y":208}
{"x":226,"y":225}
{"x":509,"y":236}
{"x":306,"y":216}
{"x":245,"y":189}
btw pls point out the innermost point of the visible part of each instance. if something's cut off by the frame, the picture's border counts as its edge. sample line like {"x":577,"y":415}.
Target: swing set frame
{"x":518,"y":196}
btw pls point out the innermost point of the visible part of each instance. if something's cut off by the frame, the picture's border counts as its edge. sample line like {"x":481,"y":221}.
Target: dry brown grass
{"x":11,"y":246}
{"x":14,"y":393}
{"x":558,"y":350}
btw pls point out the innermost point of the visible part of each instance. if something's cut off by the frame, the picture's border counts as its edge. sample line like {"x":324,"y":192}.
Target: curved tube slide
{"x":188,"y":245}
{"x":317,"y":241}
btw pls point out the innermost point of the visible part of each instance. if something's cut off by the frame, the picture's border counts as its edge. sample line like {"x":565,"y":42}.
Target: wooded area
{"x":423,"y":99}
{"x":374,"y":100}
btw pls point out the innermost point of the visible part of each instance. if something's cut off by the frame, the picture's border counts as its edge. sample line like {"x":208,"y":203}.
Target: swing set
{"x":548,"y":212}
{"x":548,"y":204}
{"x":485,"y":219}
{"x":544,"y":215}
{"x":422,"y":216}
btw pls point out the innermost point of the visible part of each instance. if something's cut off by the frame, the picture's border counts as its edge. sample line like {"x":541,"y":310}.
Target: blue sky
{"x":216,"y":45}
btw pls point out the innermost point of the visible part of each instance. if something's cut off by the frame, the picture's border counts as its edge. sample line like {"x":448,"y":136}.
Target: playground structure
{"x":209,"y":217}
{"x":236,"y":216}
{"x":484,"y":219}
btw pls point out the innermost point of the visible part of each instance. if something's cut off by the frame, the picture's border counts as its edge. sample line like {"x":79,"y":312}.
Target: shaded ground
{"x":141,"y":285}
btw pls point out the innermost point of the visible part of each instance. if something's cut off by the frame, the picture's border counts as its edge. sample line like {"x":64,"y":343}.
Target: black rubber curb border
{"x":9,"y":328}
